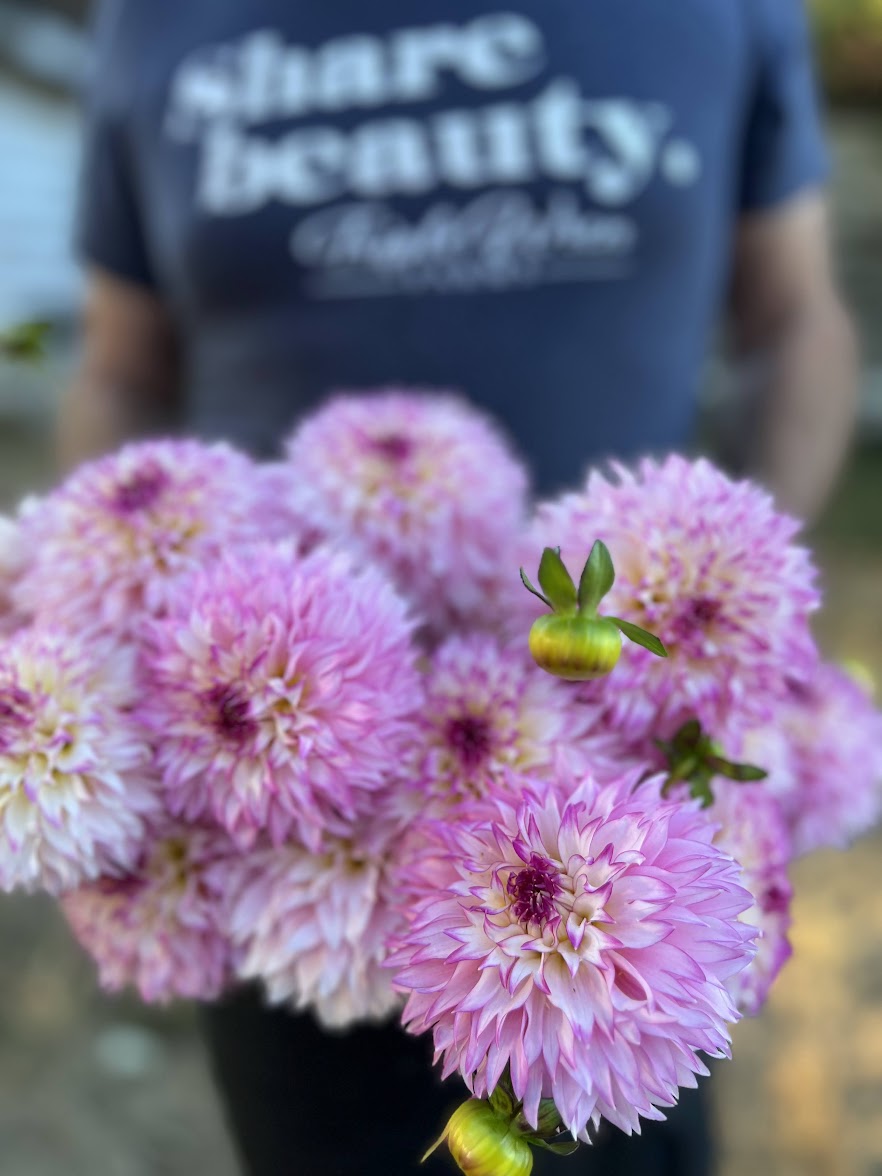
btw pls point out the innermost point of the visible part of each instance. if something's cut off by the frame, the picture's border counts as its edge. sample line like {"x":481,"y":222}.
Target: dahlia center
{"x":172,"y":857}
{"x":393,"y":447}
{"x":774,"y":900}
{"x":231,"y":713}
{"x":469,"y":736}
{"x":140,"y":491}
{"x":533,"y":890}
{"x":696,"y":614}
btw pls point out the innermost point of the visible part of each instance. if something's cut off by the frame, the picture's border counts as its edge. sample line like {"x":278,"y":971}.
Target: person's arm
{"x":128,"y":379}
{"x":795,"y":350}
{"x":127,"y":382}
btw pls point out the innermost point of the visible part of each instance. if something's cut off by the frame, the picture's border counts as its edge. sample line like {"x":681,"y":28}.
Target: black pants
{"x":302,"y":1102}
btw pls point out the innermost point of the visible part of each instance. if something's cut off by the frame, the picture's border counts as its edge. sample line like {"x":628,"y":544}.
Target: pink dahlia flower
{"x":423,"y":485}
{"x":159,"y":928}
{"x":107,"y":543}
{"x":314,"y":926}
{"x":76,"y":779}
{"x":753,"y":831}
{"x":824,"y":756}
{"x":284,"y":691}
{"x":710,"y":567}
{"x":585,"y":945}
{"x":492,"y":718}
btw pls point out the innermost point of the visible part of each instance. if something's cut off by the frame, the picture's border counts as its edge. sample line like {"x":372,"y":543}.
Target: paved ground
{"x":91,"y":1087}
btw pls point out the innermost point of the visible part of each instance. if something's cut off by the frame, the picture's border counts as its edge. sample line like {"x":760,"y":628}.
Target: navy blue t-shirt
{"x":531,"y":202}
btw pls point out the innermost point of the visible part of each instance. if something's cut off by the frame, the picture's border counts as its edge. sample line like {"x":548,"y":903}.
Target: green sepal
{"x":526,"y":583}
{"x":681,"y":770}
{"x":688,"y":735}
{"x":548,"y":1121}
{"x":565,"y":1147}
{"x":502,"y":1102}
{"x":741,"y":773}
{"x":700,"y":787}
{"x":640,"y":636}
{"x":557,"y":583}
{"x":598,"y":576}
{"x":24,"y":343}
{"x":666,"y":748}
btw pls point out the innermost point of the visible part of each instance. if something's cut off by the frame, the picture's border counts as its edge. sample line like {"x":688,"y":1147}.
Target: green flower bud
{"x":575,"y":642}
{"x":483,"y":1143}
{"x":578,"y":648}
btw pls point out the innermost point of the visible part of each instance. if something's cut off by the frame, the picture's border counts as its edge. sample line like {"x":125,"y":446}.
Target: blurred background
{"x":98,"y":1087}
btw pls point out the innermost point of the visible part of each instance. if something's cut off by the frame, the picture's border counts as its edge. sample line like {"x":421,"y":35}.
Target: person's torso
{"x":532,"y":202}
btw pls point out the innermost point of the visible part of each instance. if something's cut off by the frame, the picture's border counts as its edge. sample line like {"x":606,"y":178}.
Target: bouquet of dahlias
{"x":303,"y":722}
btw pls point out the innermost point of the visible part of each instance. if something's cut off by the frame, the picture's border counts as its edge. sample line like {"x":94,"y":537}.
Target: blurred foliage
{"x":849,"y":42}
{"x":851,"y":520}
{"x":25,"y":343}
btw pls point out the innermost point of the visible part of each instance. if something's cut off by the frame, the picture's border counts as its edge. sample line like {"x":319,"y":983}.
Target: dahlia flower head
{"x":313,"y":927}
{"x":753,"y":831}
{"x":824,"y":757}
{"x":585,"y":942}
{"x":282,"y":691}
{"x":107,"y":543}
{"x":77,"y":787}
{"x":493,"y":720}
{"x":711,"y":568}
{"x":423,"y":485}
{"x":160,"y":928}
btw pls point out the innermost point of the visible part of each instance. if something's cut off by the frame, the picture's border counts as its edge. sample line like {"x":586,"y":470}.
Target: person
{"x":550,"y":206}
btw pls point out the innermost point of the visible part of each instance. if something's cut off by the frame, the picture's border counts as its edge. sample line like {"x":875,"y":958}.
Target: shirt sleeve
{"x":109,"y":230}
{"x":784,"y":150}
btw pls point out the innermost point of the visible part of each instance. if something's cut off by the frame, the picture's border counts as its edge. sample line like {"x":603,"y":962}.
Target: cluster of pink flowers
{"x":279,"y":722}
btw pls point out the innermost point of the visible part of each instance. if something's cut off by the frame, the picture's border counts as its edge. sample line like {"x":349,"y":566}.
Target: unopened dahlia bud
{"x":573,"y":642}
{"x":484,"y":1143}
{"x":576,"y":648}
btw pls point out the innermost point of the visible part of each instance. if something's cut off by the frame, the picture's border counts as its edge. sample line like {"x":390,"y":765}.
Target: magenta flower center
{"x":703,"y":610}
{"x":469,"y":736}
{"x":774,"y":900}
{"x":231,"y":713}
{"x":393,"y":447}
{"x":140,"y":490}
{"x":696,"y":614}
{"x":533,"y":891}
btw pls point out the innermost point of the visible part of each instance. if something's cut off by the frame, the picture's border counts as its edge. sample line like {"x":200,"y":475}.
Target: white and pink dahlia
{"x":76,"y":778}
{"x":824,"y":755}
{"x":710,"y":567}
{"x":107,"y":543}
{"x":492,"y":718}
{"x":585,"y":945}
{"x":284,"y":691}
{"x":753,"y":831}
{"x":314,"y":927}
{"x":160,"y":928}
{"x":422,"y":484}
